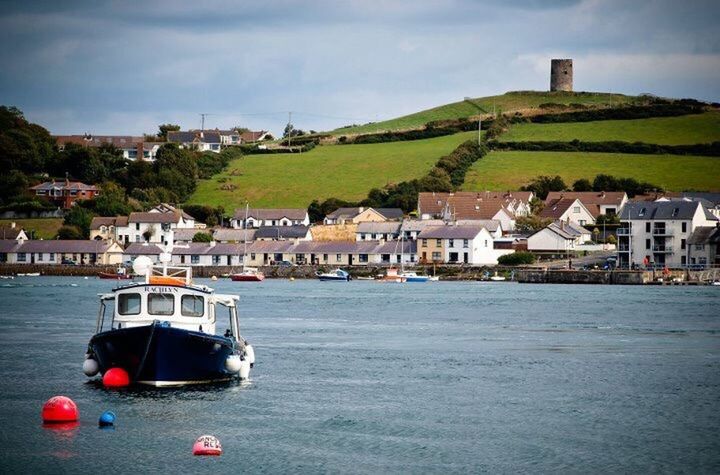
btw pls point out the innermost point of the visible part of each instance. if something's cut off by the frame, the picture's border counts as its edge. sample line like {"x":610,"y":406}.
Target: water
{"x":367,"y":377}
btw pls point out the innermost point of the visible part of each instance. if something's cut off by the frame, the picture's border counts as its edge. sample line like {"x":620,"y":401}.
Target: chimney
{"x":212,"y":243}
{"x":602,"y":194}
{"x":12,"y":225}
{"x":362,"y":208}
{"x":562,"y":225}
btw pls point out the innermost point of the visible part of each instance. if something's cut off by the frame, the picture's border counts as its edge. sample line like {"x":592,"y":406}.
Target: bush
{"x":622,"y":113}
{"x":70,"y":232}
{"x":517,"y":259}
{"x":610,"y":146}
{"x":201,"y":236}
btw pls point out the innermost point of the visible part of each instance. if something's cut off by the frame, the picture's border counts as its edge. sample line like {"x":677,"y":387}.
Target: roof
{"x":64,"y":185}
{"x":98,"y":221}
{"x":138,"y":249}
{"x":190,"y":136}
{"x":187,"y":234}
{"x":89,"y":246}
{"x":390,"y":213}
{"x":147,"y":217}
{"x":645,"y":211}
{"x":207,"y":249}
{"x":252,"y":136}
{"x":281,"y":232}
{"x":8,"y":245}
{"x":331,"y":247}
{"x":237,"y":235}
{"x":704,"y":235}
{"x":6,"y":232}
{"x":346,"y":213}
{"x":271,"y":213}
{"x":410,"y":225}
{"x":381,"y":227}
{"x":491,"y":225}
{"x":592,"y":200}
{"x":566,"y":230}
{"x":556,"y":208}
{"x":450,"y":232}
{"x":470,"y":204}
{"x":88,"y":140}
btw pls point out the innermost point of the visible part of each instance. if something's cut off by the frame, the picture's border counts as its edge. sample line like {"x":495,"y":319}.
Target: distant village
{"x":675,"y":230}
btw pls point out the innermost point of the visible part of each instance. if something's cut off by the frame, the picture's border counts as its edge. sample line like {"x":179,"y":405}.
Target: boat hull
{"x":419,"y":278}
{"x":247,"y":278}
{"x":159,"y":355}
{"x":108,"y":275}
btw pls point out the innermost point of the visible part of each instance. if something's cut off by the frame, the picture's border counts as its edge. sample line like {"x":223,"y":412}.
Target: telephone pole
{"x":469,"y":101}
{"x":289,"y":129}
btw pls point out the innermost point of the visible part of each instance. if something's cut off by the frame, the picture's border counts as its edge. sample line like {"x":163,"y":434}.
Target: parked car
{"x":285,"y":264}
{"x":68,"y":262}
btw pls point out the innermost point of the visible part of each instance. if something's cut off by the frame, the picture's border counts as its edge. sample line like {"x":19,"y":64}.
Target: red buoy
{"x":207,"y":445}
{"x":60,"y":409}
{"x":116,"y":378}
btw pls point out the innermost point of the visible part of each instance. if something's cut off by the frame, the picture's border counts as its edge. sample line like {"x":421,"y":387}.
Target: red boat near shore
{"x":119,"y":274}
{"x":249,"y":274}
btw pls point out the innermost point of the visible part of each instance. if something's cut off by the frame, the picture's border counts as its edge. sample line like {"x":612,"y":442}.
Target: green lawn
{"x":687,"y":129}
{"x":45,"y":228}
{"x":508,"y":102}
{"x":341,"y":171}
{"x":511,"y":170}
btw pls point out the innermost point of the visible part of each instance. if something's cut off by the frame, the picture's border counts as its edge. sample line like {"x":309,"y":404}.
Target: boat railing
{"x":169,"y":275}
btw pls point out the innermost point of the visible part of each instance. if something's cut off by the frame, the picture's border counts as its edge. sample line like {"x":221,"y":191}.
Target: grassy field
{"x":45,"y":228}
{"x":508,"y":102}
{"x":687,"y":129}
{"x":510,"y":170}
{"x":340,"y":171}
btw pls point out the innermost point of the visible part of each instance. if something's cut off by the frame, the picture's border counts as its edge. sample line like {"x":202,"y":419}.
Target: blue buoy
{"x":107,"y":419}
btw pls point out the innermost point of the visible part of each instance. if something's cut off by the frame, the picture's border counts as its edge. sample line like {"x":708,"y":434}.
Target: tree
{"x":596,"y":233}
{"x":13,"y":185}
{"x":112,"y":200}
{"x":582,"y":184}
{"x":202,"y":237}
{"x":516,"y":258}
{"x":70,"y":232}
{"x":543,"y":185}
{"x":176,"y":170}
{"x":530,"y":224}
{"x":163,"y":129}
{"x":241,"y":130}
{"x":81,"y":218}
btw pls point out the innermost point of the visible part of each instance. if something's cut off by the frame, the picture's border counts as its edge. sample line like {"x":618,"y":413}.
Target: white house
{"x":87,"y":252}
{"x":657,"y":233}
{"x":596,"y":202}
{"x":154,"y":226}
{"x":559,"y":236}
{"x":458,"y":244}
{"x":377,"y":231}
{"x":331,"y":253}
{"x":362,"y":214}
{"x":259,"y":217}
{"x":568,"y":210}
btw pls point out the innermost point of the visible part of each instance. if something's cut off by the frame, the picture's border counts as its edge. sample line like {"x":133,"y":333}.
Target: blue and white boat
{"x":410,"y":276}
{"x":336,"y":275}
{"x":162,"y":331}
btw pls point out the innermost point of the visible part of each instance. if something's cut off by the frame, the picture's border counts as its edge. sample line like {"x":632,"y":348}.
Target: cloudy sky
{"x":122,"y":67}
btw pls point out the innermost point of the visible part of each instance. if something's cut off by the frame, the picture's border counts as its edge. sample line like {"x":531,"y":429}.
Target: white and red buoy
{"x":116,"y":378}
{"x":207,"y":445}
{"x":60,"y":409}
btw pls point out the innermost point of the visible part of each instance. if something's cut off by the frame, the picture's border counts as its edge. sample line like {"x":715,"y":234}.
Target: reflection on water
{"x":364,"y":377}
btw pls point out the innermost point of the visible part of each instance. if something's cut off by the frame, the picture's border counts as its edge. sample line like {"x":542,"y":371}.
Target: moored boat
{"x":162,"y":331}
{"x":392,"y":275}
{"x":336,"y":275}
{"x":414,"y":277}
{"x":249,"y":274}
{"x":120,"y":274}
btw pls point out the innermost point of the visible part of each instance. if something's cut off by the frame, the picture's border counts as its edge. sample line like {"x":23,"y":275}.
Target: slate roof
{"x":656,"y":210}
{"x":410,"y":225}
{"x":84,"y":246}
{"x":138,"y":248}
{"x":237,"y":235}
{"x":382,"y":227}
{"x":120,"y":141}
{"x":281,"y":232}
{"x":271,"y":213}
{"x":191,"y":136}
{"x":6,"y":232}
{"x":207,"y":249}
{"x":566,"y":230}
{"x":8,"y":245}
{"x":64,"y":185}
{"x":390,"y":213}
{"x":705,"y":235}
{"x":142,"y":217}
{"x":592,"y":200}
{"x":347,"y":213}
{"x":450,"y":232}
{"x":98,"y":221}
{"x":557,"y":208}
{"x":330,"y":247}
{"x":187,"y":234}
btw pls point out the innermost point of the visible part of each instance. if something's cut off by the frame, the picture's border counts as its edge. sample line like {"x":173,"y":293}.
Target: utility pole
{"x":289,"y":129}
{"x":469,"y":101}
{"x":202,"y":127}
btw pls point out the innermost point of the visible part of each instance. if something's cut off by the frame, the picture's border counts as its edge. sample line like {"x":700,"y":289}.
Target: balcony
{"x":623,"y":232}
{"x":662,"y":232}
{"x":662,"y":249}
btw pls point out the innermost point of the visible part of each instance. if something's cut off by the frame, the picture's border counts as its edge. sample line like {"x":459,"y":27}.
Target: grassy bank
{"x":688,"y":129}
{"x":508,"y":102}
{"x":510,"y":170}
{"x":44,"y":228}
{"x":341,"y":171}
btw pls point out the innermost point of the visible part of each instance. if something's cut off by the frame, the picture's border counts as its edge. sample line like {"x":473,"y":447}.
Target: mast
{"x":247,"y":206}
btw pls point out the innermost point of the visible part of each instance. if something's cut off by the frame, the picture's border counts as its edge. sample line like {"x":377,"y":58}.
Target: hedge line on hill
{"x":254,"y":150}
{"x":448,"y":174}
{"x":611,"y":146}
{"x":431,"y":130}
{"x":622,"y":113}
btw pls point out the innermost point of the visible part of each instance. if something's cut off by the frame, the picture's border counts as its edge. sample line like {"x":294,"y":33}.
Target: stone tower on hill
{"x":561,"y":75}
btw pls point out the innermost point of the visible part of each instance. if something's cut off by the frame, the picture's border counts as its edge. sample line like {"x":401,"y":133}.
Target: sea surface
{"x":364,"y":377}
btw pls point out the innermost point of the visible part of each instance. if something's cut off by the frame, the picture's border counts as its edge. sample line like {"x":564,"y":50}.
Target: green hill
{"x":511,"y":170}
{"x":683,"y":130}
{"x":508,"y":102}
{"x":341,"y":171}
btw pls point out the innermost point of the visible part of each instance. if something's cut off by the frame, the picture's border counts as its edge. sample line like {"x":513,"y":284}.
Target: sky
{"x":123,"y":67}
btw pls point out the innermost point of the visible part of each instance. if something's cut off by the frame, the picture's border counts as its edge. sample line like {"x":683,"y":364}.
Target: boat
{"x":338,"y":275}
{"x":413,"y":277}
{"x":161,"y":331}
{"x":248,"y":274}
{"x":497,"y":278}
{"x":29,"y":274}
{"x":392,"y":275}
{"x":120,"y":274}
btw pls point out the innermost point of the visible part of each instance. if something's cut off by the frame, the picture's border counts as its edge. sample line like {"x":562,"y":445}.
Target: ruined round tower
{"x":561,"y":75}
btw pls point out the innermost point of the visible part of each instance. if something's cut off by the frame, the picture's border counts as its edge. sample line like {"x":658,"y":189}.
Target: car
{"x":285,"y":264}
{"x":68,"y":262}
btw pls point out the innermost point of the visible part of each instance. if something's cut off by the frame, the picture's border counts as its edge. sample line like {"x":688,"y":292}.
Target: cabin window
{"x":129,"y":304}
{"x":161,"y":304}
{"x":192,"y":306}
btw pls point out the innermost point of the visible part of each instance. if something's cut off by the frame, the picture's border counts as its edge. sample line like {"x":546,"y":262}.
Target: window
{"x":486,"y":243}
{"x":216,"y":260}
{"x":647,"y":227}
{"x":582,"y":222}
{"x":192,"y":306}
{"x":40,"y":256}
{"x":642,"y":212}
{"x":22,"y":257}
{"x":194,"y":259}
{"x":363,"y":258}
{"x":466,"y":243}
{"x":325,"y":257}
{"x":161,"y":304}
{"x":576,"y":209}
{"x":675,"y":212}
{"x":438,"y":242}
{"x":436,"y":256}
{"x":137,"y":226}
{"x":338,"y":257}
{"x":451,"y":243}
{"x":129,"y":304}
{"x":647,"y":244}
{"x":682,"y":244}
{"x":683,"y":260}
{"x":424,"y":243}
{"x":684,"y":227}
{"x":252,"y":256}
{"x":699,"y":247}
{"x":51,"y":257}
